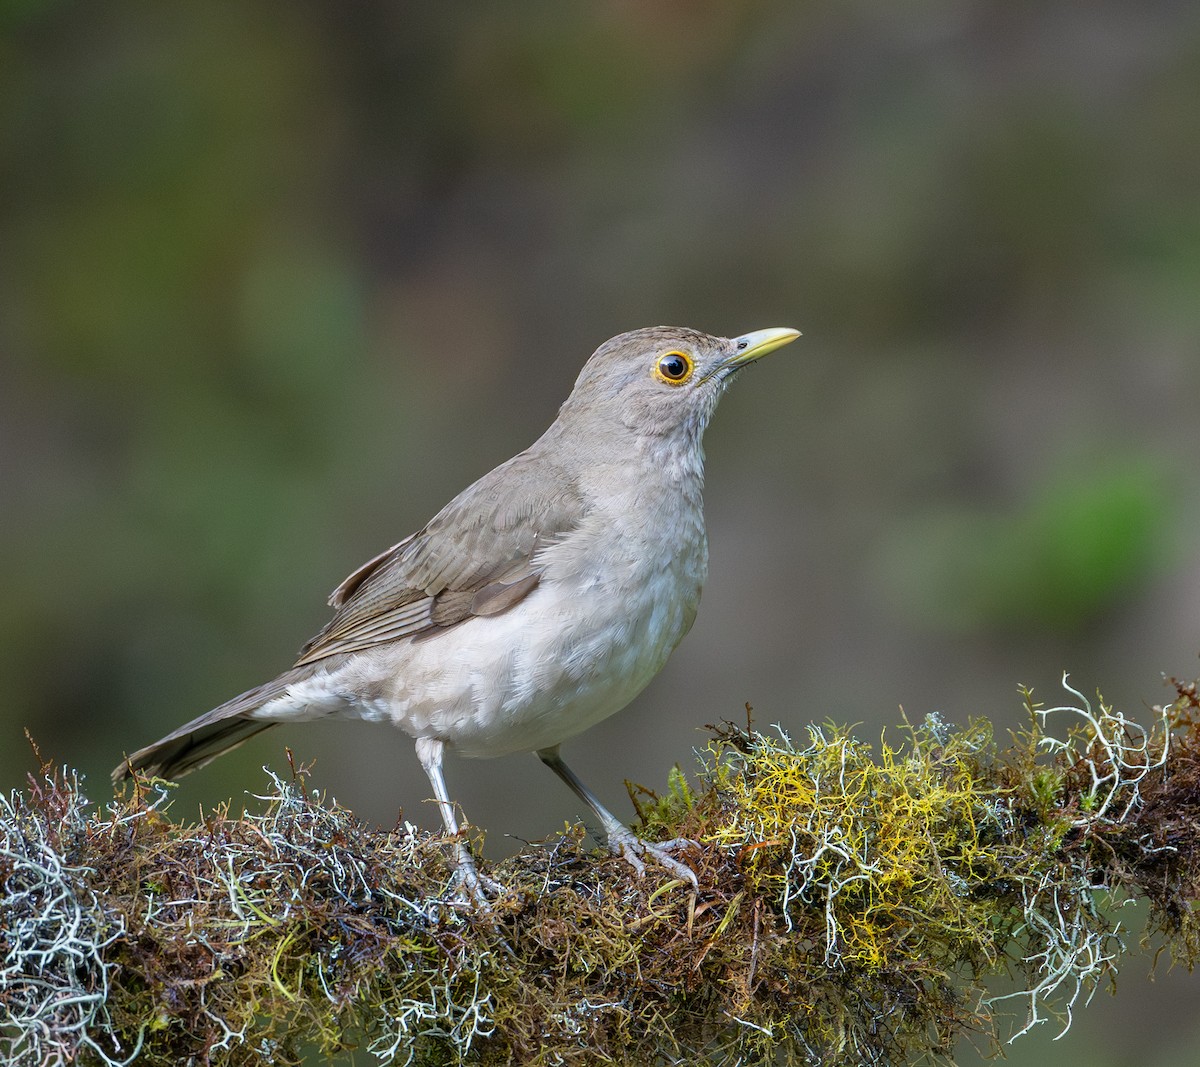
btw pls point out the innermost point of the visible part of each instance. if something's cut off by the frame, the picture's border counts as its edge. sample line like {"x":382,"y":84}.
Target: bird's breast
{"x":640,"y":553}
{"x":614,"y":598}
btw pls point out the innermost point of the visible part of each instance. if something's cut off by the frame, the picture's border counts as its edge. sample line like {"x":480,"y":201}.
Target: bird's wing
{"x":477,"y":556}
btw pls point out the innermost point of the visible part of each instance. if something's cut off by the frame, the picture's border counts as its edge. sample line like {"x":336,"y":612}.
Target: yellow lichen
{"x":854,"y":901}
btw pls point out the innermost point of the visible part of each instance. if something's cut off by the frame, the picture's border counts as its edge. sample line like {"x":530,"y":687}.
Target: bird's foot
{"x":625,"y":843}
{"x":468,"y":888}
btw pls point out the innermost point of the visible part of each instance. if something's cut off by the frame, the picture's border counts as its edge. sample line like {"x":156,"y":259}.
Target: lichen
{"x":857,"y":903}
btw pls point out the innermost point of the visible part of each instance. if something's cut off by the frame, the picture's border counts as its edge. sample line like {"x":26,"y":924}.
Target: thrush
{"x":539,"y":601}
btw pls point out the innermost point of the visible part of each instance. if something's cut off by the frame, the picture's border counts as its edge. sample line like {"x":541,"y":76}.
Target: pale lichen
{"x":856,"y":903}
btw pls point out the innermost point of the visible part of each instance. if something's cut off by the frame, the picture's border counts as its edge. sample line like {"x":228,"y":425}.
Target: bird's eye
{"x":674,"y":368}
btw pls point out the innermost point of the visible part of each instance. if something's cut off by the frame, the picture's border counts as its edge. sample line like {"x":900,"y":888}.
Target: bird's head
{"x":663,"y":380}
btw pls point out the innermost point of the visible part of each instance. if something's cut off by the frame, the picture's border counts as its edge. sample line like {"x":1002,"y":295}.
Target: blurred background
{"x":278,"y":279}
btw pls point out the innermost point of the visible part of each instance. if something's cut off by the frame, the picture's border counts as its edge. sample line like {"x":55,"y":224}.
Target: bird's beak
{"x":752,"y":346}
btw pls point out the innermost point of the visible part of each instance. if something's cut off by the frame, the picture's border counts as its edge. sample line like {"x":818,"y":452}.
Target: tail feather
{"x":215,"y":732}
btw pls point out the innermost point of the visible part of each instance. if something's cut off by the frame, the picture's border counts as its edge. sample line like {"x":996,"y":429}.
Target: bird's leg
{"x":621,"y":840}
{"x":429,"y":752}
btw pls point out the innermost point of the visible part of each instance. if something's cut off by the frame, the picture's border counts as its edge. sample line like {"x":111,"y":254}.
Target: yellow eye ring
{"x":674,"y":368}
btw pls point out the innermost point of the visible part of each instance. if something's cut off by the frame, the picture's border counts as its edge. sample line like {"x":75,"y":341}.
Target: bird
{"x":542,"y":599}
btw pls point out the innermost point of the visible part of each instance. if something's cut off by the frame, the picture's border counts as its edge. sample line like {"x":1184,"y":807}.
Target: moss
{"x":855,"y":899}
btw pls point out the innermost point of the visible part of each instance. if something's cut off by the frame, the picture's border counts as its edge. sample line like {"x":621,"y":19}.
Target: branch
{"x":854,"y":901}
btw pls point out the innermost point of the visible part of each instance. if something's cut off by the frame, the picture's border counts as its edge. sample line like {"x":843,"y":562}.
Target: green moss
{"x":854,"y":900}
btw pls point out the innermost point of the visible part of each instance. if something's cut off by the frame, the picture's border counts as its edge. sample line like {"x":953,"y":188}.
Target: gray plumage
{"x":540,"y":600}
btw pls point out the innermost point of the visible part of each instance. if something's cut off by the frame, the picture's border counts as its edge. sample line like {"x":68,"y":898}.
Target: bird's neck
{"x":621,"y":457}
{"x":676,"y":462}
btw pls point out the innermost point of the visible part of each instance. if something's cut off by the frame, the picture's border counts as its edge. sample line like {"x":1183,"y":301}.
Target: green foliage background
{"x":276,"y":279}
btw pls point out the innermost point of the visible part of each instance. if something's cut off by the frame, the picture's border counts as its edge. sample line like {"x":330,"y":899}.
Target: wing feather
{"x":477,"y":556}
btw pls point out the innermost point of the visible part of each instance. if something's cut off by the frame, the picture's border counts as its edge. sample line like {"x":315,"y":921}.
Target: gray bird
{"x":539,"y":601}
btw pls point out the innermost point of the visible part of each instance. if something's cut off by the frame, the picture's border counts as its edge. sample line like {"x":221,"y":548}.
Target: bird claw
{"x":471,"y":887}
{"x":631,"y":848}
{"x":468,"y":889}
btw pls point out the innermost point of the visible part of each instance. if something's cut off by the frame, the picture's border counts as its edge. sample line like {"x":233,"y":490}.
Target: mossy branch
{"x":853,"y":902}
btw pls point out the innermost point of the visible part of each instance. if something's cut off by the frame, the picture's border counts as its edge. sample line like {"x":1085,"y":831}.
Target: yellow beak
{"x":752,"y":346}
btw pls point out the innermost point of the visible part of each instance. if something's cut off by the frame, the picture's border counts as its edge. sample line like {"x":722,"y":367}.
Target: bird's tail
{"x":206,"y":737}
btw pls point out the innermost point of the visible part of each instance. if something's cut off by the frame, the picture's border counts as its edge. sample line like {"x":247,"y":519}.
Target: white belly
{"x":534,"y":676}
{"x":576,"y":650}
